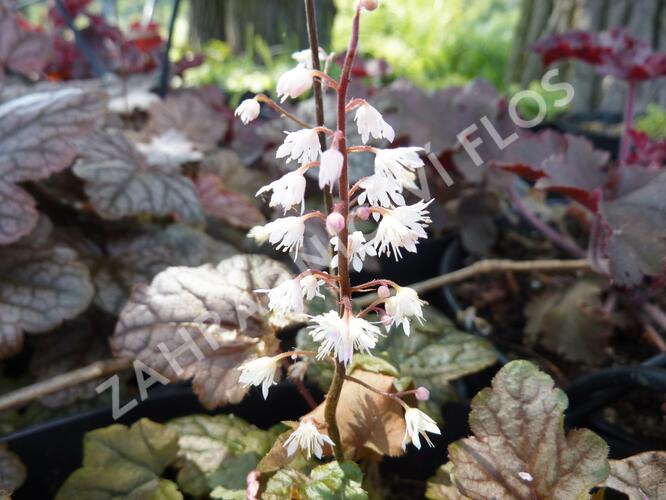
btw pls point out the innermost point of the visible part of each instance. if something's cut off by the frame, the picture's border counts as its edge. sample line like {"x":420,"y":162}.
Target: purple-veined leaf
{"x":224,"y":204}
{"x":37,"y":138}
{"x":42,"y":283}
{"x":18,"y":215}
{"x":38,"y":131}
{"x":137,"y":258}
{"x":640,"y":477}
{"x":519,"y":448}
{"x":120,"y":182}
{"x":215,"y":307}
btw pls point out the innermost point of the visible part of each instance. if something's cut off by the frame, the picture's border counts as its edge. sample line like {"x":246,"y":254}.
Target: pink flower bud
{"x":363,"y":213}
{"x":369,"y":4}
{"x":422,"y":394}
{"x":386,"y":320}
{"x":383,"y":292}
{"x":335,"y":223}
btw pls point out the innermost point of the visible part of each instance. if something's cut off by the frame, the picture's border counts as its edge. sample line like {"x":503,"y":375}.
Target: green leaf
{"x":214,"y":450}
{"x":331,"y":481}
{"x":519,"y":448}
{"x":124,"y":463}
{"x":335,"y":481}
{"x":640,"y":477}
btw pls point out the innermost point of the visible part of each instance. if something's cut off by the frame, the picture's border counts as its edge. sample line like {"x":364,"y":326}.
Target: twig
{"x":490,"y":266}
{"x":96,"y":65}
{"x":654,"y":337}
{"x":38,"y":390}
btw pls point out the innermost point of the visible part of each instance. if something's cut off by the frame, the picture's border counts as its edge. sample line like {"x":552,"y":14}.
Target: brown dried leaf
{"x":368,"y":421}
{"x":640,"y":477}
{"x":189,"y":114}
{"x":203,"y":303}
{"x":12,"y":471}
{"x":229,"y":206}
{"x":21,"y":50}
{"x":519,"y":449}
{"x":42,"y":283}
{"x":568,"y":322}
{"x":120,"y":182}
{"x":137,"y":258}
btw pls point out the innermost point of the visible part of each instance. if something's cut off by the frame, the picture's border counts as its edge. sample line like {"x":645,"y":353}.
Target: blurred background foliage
{"x":436,"y":43}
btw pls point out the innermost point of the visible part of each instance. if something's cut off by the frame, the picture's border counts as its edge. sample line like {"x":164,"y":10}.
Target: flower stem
{"x":318,"y":94}
{"x":345,"y":294}
{"x":267,"y":100}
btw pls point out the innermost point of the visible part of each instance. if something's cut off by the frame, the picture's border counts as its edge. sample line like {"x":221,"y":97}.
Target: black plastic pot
{"x":573,"y":123}
{"x":589,"y":393}
{"x":51,"y":451}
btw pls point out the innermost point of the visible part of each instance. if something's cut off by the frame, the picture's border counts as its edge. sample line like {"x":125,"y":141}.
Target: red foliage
{"x":645,"y":151}
{"x":612,"y":52}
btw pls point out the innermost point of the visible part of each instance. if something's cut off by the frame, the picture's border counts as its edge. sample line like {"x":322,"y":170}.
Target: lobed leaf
{"x":120,"y":182}
{"x":38,"y":131}
{"x":640,"y":477}
{"x":226,"y":205}
{"x":42,"y":283}
{"x":636,"y":219}
{"x":442,"y":486}
{"x":568,"y":322}
{"x":217,"y":308}
{"x":22,"y":50}
{"x":188,"y":113}
{"x":136,"y":258}
{"x":519,"y":449}
{"x":121,"y":462}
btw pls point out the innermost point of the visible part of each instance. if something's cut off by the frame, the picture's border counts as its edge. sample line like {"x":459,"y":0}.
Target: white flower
{"x":288,"y":191}
{"x":403,"y":306}
{"x":341,"y":336}
{"x":401,"y":227}
{"x":304,"y":57}
{"x":259,"y":372}
{"x":308,"y":438}
{"x":285,"y":298}
{"x":357,"y":250}
{"x":418,"y":423}
{"x":285,"y":233}
{"x":398,"y":163}
{"x":370,"y":122}
{"x":294,"y":83}
{"x":302,"y":146}
{"x":330,"y":167}
{"x":259,"y":234}
{"x":248,"y":110}
{"x":380,"y":190}
{"x":310,"y":287}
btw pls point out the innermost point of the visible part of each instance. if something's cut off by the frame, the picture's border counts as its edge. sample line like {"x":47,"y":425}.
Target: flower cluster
{"x":341,"y":333}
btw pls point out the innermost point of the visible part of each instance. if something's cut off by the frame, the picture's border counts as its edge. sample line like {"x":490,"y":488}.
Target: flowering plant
{"x":344,"y":332}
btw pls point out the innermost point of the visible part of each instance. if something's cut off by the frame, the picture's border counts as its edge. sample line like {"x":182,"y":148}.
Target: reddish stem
{"x":335,"y":389}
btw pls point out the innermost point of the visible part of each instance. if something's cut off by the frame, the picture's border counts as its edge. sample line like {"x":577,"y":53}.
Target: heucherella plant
{"x":342,"y":333}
